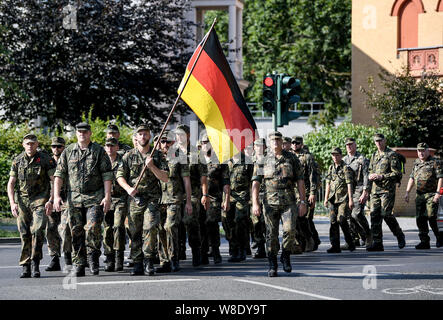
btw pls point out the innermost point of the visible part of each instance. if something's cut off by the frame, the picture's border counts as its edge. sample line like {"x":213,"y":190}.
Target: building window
{"x":407,"y":12}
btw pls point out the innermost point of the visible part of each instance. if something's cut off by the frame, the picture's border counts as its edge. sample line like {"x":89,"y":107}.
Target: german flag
{"x":214,"y":96}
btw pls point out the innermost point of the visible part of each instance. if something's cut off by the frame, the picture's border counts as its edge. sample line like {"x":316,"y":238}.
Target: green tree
{"x":412,"y":108}
{"x":124,"y":57}
{"x":305,"y":38}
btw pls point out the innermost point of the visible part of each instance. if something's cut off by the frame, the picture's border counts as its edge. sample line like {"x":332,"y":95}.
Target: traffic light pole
{"x":278,"y":102}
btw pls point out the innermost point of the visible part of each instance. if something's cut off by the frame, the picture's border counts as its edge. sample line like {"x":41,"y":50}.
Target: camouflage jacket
{"x":118,"y":194}
{"x":123,"y":148}
{"x":359,"y":164}
{"x":310,"y":175}
{"x":33,"y":175}
{"x":131,"y":167}
{"x":259,"y":161}
{"x":384,"y":163}
{"x":174,"y":191}
{"x":218,"y":177}
{"x":338,"y":178}
{"x":426,"y":174}
{"x":197,"y":170}
{"x":84,"y":173}
{"x":279,"y":175}
{"x":240,"y":174}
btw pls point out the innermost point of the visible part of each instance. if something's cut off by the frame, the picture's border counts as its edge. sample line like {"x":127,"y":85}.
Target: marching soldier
{"x":280,"y":172}
{"x":174,"y":193}
{"x":218,"y":183}
{"x":144,"y":210}
{"x":52,"y":229}
{"x":112,"y":131}
{"x":384,"y":173}
{"x":114,"y":238}
{"x":287,"y":144}
{"x":33,"y":202}
{"x":338,"y":199}
{"x":306,"y":225}
{"x":427,"y":173}
{"x":359,"y":164}
{"x":199,"y":172}
{"x":236,"y":220}
{"x":86,"y":170}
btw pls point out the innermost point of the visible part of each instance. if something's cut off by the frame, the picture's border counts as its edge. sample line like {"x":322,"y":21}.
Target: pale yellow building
{"x":392,"y":34}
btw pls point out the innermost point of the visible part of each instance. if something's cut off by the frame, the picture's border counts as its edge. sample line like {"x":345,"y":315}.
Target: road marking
{"x":287,"y":289}
{"x":11,"y":267}
{"x":139,"y":281}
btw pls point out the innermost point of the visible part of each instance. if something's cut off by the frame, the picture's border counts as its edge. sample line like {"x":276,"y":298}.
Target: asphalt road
{"x":390,"y":275}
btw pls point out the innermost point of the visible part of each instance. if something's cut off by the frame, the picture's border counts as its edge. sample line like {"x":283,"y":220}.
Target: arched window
{"x":407,"y":12}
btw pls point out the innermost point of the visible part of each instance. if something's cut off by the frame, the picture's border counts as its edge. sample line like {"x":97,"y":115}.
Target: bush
{"x":322,"y":141}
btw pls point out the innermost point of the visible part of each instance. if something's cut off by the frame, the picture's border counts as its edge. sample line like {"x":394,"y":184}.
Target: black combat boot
{"x":233,"y":255}
{"x":204,"y":257}
{"x":273,"y":266}
{"x":216,"y":255}
{"x":79,"y":271}
{"x":439,"y":240}
{"x":54,"y":265}
{"x":120,"y":257}
{"x":401,"y":241}
{"x":261,"y":252}
{"x":137,"y":269}
{"x":175,"y":265}
{"x":242,"y":252}
{"x":334,"y":249}
{"x":164,"y":268}
{"x":196,"y":257}
{"x":182,"y":252}
{"x":286,"y":260}
{"x":94,"y":263}
{"x":423,"y":245}
{"x":68,"y":262}
{"x":110,"y":264}
{"x":35,"y":268}
{"x":149,"y":266}
{"x":376,"y":246}
{"x":26,"y":273}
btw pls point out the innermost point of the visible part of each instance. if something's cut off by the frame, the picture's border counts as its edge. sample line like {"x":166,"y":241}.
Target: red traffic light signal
{"x":268,"y":81}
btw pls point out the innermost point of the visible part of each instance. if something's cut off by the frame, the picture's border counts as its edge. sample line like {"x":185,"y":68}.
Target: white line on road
{"x":287,"y":289}
{"x":10,"y":267}
{"x":140,"y":281}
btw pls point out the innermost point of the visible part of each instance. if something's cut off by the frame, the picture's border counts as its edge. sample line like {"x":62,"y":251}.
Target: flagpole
{"x":176,"y":100}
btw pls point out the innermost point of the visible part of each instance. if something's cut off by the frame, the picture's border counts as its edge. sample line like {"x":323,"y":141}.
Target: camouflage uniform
{"x":258,"y":223}
{"x":114,"y":239}
{"x":84,"y":172}
{"x":173,"y":196}
{"x":383,"y":194}
{"x":426,"y":175}
{"x":339,"y":177}
{"x":235,"y":221}
{"x":144,"y":217}
{"x":359,"y":226}
{"x":33,"y":175}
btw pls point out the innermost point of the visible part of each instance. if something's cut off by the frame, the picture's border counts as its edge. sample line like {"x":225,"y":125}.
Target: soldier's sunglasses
{"x":296,"y":142}
{"x":58,"y":147}
{"x":165,"y":141}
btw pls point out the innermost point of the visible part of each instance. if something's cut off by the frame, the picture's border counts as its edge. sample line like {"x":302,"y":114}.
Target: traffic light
{"x":269,"y":93}
{"x":287,"y":95}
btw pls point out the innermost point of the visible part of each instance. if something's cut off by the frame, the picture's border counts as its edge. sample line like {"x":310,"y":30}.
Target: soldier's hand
{"x":205,"y":202}
{"x":58,"y":203}
{"x":149,"y":162}
{"x":14,"y":209}
{"x":106,"y":203}
{"x":363,"y":197}
{"x":256,"y":210}
{"x":325,"y":203}
{"x":48,"y":208}
{"x":312,"y":200}
{"x":188,"y":208}
{"x":436,"y":198}
{"x":302,"y":209}
{"x":407,"y":197}
{"x":226,"y":205}
{"x":351,"y":204}
{"x":131,"y":191}
{"x":373,"y":176}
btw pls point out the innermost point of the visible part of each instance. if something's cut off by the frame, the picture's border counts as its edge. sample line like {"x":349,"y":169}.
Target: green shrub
{"x":322,"y":141}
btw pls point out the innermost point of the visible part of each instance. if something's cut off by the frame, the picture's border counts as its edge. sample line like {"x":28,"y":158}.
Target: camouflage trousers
{"x":258,"y":226}
{"x":236,"y":225}
{"x":338,"y":218}
{"x":190,"y":226}
{"x":114,"y":237}
{"x":52,"y":236}
{"x":31,"y":223}
{"x":211,"y":219}
{"x":288,"y":215}
{"x":86,"y":225}
{"x":144,"y":223}
{"x":65,"y":231}
{"x":170,"y":216}
{"x":426,"y":212}
{"x":381,"y":209}
{"x":358,"y":224}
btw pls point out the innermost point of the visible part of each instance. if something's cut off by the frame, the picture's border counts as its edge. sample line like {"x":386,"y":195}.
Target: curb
{"x":10,"y":240}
